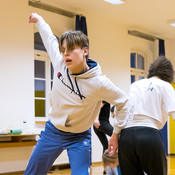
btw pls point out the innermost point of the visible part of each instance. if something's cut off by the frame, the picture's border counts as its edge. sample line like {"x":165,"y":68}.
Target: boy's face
{"x":75,"y":59}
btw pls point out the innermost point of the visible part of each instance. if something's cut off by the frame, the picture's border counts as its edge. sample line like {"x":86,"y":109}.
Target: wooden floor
{"x":97,"y":168}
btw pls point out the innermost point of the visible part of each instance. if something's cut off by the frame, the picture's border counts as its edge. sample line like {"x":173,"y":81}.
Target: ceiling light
{"x":115,"y":1}
{"x":171,"y":22}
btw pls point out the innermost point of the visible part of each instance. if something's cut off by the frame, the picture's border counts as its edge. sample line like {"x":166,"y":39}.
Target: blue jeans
{"x":113,"y":171}
{"x":52,"y":143}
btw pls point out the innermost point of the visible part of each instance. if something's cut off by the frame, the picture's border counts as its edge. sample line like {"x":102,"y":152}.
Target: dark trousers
{"x":105,"y":128}
{"x":141,"y":150}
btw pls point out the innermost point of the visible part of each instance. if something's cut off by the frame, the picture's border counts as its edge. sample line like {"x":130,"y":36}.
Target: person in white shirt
{"x":140,"y":143}
{"x":78,"y":90}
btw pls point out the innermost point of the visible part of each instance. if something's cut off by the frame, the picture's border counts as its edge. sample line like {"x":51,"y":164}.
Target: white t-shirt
{"x":154,"y":101}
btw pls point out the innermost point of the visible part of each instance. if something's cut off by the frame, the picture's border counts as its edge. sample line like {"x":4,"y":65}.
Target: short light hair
{"x":74,"y":38}
{"x":108,"y":159}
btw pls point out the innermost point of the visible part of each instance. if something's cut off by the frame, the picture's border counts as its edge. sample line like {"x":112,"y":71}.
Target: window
{"x":43,"y":80}
{"x":137,"y":66}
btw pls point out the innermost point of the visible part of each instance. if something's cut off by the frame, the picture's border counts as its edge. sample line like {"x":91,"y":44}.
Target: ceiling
{"x":148,"y":16}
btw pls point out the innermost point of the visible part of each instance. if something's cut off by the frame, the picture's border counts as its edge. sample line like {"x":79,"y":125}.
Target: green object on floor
{"x":15,"y":131}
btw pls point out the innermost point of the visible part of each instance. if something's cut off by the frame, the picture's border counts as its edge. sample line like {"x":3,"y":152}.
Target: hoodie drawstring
{"x":79,"y":93}
{"x":81,"y":97}
{"x":70,"y":81}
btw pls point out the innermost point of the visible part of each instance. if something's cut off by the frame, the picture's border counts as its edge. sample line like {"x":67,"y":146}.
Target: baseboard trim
{"x":13,"y":173}
{"x":54,"y":167}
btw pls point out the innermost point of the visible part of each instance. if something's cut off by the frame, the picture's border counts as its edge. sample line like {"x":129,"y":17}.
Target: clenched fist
{"x":34,"y":18}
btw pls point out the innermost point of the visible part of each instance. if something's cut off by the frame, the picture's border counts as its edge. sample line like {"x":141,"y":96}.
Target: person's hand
{"x":34,"y":18}
{"x":113,"y":144}
{"x":97,"y":124}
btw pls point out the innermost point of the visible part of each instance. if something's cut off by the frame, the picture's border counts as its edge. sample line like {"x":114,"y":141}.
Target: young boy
{"x":111,"y":162}
{"x":78,"y":90}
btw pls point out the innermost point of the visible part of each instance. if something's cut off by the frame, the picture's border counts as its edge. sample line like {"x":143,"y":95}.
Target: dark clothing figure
{"x":105,"y":127}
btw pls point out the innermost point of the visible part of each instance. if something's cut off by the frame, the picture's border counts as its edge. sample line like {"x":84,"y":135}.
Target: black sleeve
{"x":112,"y":109}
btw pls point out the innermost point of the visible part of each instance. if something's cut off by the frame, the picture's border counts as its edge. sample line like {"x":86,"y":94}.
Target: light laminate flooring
{"x":97,"y":168}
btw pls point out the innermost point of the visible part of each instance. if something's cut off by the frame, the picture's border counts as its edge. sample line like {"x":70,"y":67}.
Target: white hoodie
{"x":76,"y":99}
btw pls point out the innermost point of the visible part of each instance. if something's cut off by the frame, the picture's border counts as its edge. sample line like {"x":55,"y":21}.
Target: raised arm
{"x":49,"y":40}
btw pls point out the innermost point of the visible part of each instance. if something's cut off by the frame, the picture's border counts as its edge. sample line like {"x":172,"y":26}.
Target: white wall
{"x":16,"y":94}
{"x":110,"y":45}
{"x":16,"y":58}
